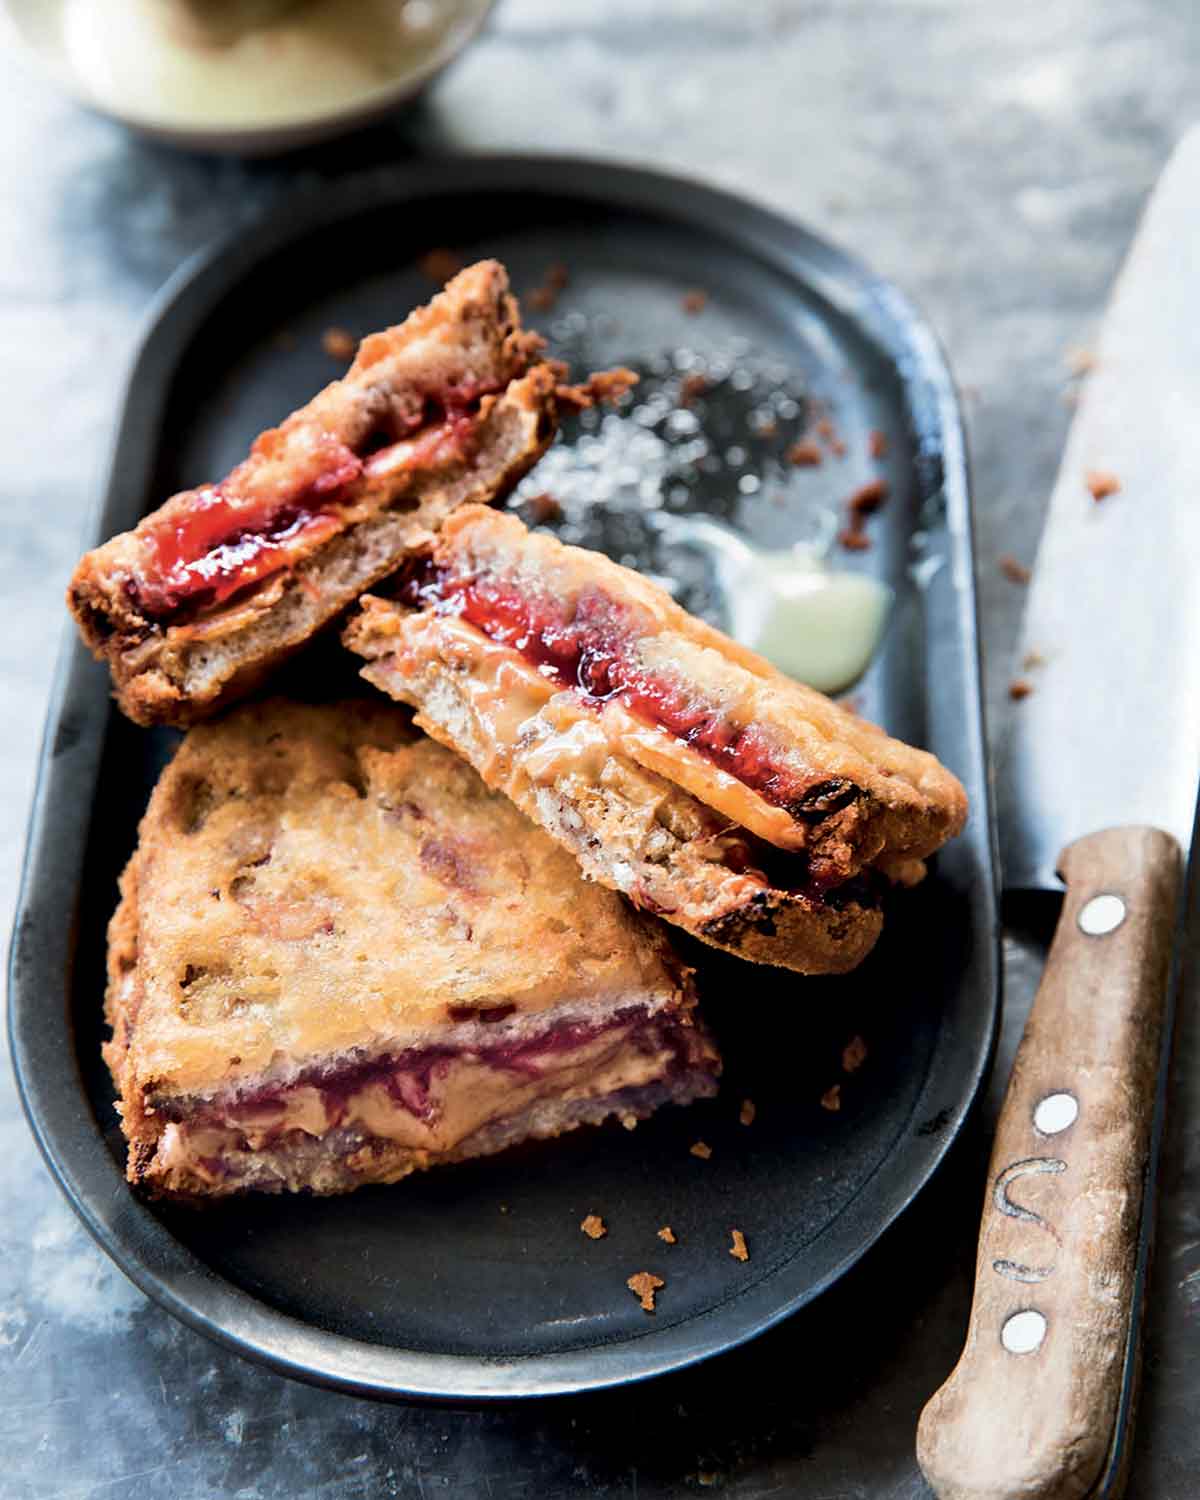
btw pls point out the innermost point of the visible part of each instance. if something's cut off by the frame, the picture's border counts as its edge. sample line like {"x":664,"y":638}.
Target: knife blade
{"x":1098,"y":790}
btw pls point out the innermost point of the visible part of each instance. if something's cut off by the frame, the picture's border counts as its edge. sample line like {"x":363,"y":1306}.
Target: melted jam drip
{"x":218,"y":547}
{"x":594,"y":652}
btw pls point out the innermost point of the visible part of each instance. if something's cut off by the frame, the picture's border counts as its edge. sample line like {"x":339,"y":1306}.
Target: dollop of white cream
{"x":818,"y":625}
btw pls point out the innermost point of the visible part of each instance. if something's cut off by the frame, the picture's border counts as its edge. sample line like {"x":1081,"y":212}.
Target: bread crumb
{"x":877,"y":444}
{"x":667,"y":1235}
{"x":339,"y":343}
{"x":831,"y":1099}
{"x":440,"y":264}
{"x":866,"y":499}
{"x":1033,"y":660}
{"x":1102,"y":483}
{"x":643,"y":1285}
{"x":504,"y":1208}
{"x":692,"y":387}
{"x":1014,"y":571}
{"x":543,"y":297}
{"x":695,"y":301}
{"x":1019,"y":688}
{"x":603,"y":385}
{"x":541,"y":509}
{"x":594,"y":1227}
{"x":853,"y":539}
{"x":701,"y":1149}
{"x":738,"y":1249}
{"x":806,"y":454}
{"x":854,"y":1054}
{"x":747,"y":1112}
{"x":629,"y":1120}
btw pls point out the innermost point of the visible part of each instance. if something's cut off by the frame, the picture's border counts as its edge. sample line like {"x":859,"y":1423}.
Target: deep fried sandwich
{"x":677,"y":766}
{"x":195,"y":606}
{"x":338,"y":958}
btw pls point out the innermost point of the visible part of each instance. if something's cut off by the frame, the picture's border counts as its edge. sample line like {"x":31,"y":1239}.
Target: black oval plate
{"x":476,"y":1283}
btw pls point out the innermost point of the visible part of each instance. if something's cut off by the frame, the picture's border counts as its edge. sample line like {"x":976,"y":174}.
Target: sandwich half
{"x":678,"y":767}
{"x":338,"y":958}
{"x":197,"y":604}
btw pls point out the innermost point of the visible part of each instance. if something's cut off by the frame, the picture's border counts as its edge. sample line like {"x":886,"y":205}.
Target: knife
{"x":1100,"y":785}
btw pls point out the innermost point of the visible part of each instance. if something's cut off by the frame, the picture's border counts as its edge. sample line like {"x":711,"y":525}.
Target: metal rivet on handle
{"x":1023,"y":1332}
{"x":1056,"y":1112}
{"x":1102,"y":914}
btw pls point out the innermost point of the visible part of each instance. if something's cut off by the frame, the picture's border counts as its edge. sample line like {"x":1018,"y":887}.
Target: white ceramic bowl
{"x":56,"y":34}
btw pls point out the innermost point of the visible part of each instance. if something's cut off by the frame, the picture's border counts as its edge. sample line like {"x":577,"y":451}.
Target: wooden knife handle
{"x":1030,"y":1407}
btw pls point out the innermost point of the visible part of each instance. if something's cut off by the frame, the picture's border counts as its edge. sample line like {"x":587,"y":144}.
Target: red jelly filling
{"x":593,"y":652}
{"x":217,"y":548}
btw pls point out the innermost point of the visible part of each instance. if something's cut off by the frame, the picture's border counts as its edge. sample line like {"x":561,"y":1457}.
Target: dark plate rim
{"x":61,"y":1120}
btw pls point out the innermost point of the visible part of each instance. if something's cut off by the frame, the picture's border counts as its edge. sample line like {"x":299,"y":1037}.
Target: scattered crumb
{"x":541,"y":509}
{"x":1019,"y":688}
{"x":1081,"y":361}
{"x":643,"y":1285}
{"x":1014,"y":571}
{"x":1033,"y":660}
{"x":866,"y":499}
{"x":1102,"y":483}
{"x":543,"y":297}
{"x":701,"y":1149}
{"x":877,"y":443}
{"x":338,"y":343}
{"x":831,"y":1099}
{"x":667,"y":1235}
{"x":604,"y":385}
{"x":695,"y":301}
{"x":854,"y":1054}
{"x":440,"y":264}
{"x":747,"y":1113}
{"x":861,"y":503}
{"x":594,"y":1227}
{"x":806,"y":454}
{"x":692,"y":387}
{"x":629,"y":1120}
{"x":738,"y":1249}
{"x":706,"y":1478}
{"x":504,"y":1208}
{"x":768,"y":429}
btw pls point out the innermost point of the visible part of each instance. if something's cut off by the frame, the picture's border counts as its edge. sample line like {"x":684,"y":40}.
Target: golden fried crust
{"x":906,"y":804}
{"x":642,"y":809}
{"x":630,"y":828}
{"x":314,"y":880}
{"x":468,"y":338}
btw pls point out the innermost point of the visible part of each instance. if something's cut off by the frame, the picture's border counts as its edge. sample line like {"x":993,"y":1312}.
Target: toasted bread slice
{"x":676,"y":765}
{"x":195,"y":606}
{"x":338,"y":958}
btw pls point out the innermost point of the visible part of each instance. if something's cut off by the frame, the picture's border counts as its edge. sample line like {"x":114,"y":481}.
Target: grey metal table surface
{"x":992,"y":159}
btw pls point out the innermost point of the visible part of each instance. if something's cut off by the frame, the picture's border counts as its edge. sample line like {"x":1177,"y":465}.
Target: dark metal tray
{"x":477,"y":1283}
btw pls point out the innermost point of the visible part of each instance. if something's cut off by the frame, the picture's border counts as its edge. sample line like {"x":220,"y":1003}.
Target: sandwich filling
{"x":428,"y":1100}
{"x":220,"y":545}
{"x":593,"y":649}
